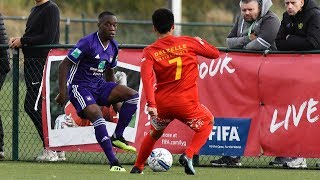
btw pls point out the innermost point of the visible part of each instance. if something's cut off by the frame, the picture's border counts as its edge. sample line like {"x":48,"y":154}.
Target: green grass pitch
{"x":34,"y":170}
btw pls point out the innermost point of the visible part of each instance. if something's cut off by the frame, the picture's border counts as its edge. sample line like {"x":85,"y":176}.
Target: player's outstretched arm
{"x":203,"y":48}
{"x":64,"y":67}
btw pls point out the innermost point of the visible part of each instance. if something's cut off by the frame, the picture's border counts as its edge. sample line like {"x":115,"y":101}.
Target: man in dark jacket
{"x":43,"y":27}
{"x":4,"y":69}
{"x":256,"y":28}
{"x":300,"y":26}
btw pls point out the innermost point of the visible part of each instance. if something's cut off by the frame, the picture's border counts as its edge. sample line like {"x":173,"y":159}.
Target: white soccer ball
{"x":160,"y":160}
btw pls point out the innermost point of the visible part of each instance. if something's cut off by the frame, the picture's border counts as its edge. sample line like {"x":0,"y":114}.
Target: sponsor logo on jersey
{"x":76,"y":53}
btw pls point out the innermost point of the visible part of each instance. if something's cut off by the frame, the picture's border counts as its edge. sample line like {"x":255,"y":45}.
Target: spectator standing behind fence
{"x":42,"y":28}
{"x":255,"y":29}
{"x":299,"y":30}
{"x":4,"y":69}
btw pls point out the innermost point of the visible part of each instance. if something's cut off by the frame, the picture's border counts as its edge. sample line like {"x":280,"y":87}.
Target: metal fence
{"x":133,"y":31}
{"x":22,"y":142}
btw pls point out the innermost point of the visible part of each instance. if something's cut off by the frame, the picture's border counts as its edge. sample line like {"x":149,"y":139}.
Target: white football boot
{"x":47,"y":155}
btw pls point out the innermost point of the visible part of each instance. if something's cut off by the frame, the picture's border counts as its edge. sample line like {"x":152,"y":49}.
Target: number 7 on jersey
{"x":177,"y":60}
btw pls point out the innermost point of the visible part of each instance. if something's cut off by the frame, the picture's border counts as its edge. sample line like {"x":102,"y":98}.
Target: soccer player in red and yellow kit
{"x":172,"y":63}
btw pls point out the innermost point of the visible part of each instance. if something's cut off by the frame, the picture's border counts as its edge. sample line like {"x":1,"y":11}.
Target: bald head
{"x":293,"y":6}
{"x":39,"y":2}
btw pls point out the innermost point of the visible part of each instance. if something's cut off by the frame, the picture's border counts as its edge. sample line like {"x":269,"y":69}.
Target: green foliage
{"x":210,"y":11}
{"x":126,"y":9}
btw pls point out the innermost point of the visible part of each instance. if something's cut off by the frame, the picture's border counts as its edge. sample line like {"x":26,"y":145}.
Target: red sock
{"x":145,"y":150}
{"x":198,"y":140}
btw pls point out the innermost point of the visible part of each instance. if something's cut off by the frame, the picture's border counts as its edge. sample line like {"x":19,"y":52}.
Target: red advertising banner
{"x":289,"y":119}
{"x":228,"y":87}
{"x":276,"y":93}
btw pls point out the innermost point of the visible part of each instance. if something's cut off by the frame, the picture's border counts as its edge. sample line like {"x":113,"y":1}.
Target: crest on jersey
{"x":300,"y":25}
{"x":102,"y":64}
{"x":110,"y":58}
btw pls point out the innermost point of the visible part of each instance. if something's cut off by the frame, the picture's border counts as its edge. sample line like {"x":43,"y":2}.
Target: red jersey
{"x":172,"y":63}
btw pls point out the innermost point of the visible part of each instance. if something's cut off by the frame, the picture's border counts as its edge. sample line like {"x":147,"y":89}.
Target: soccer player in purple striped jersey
{"x":82,"y":74}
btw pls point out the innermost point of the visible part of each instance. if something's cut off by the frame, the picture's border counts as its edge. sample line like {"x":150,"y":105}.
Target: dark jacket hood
{"x":309,"y":4}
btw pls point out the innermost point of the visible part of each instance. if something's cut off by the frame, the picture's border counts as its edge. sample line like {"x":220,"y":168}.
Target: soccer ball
{"x":160,"y":160}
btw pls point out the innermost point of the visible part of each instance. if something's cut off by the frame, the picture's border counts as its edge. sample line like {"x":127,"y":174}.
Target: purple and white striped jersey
{"x":90,"y":59}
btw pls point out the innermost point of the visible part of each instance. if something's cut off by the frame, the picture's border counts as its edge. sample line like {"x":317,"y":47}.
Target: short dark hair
{"x":247,"y":1}
{"x":104,"y":13}
{"x":162,"y":20}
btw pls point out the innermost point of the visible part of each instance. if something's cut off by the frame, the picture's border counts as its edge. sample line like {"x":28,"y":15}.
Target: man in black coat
{"x":4,"y":69}
{"x":42,"y":28}
{"x":300,"y":26}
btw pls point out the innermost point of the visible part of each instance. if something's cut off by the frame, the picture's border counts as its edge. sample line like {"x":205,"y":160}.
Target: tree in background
{"x":206,"y":11}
